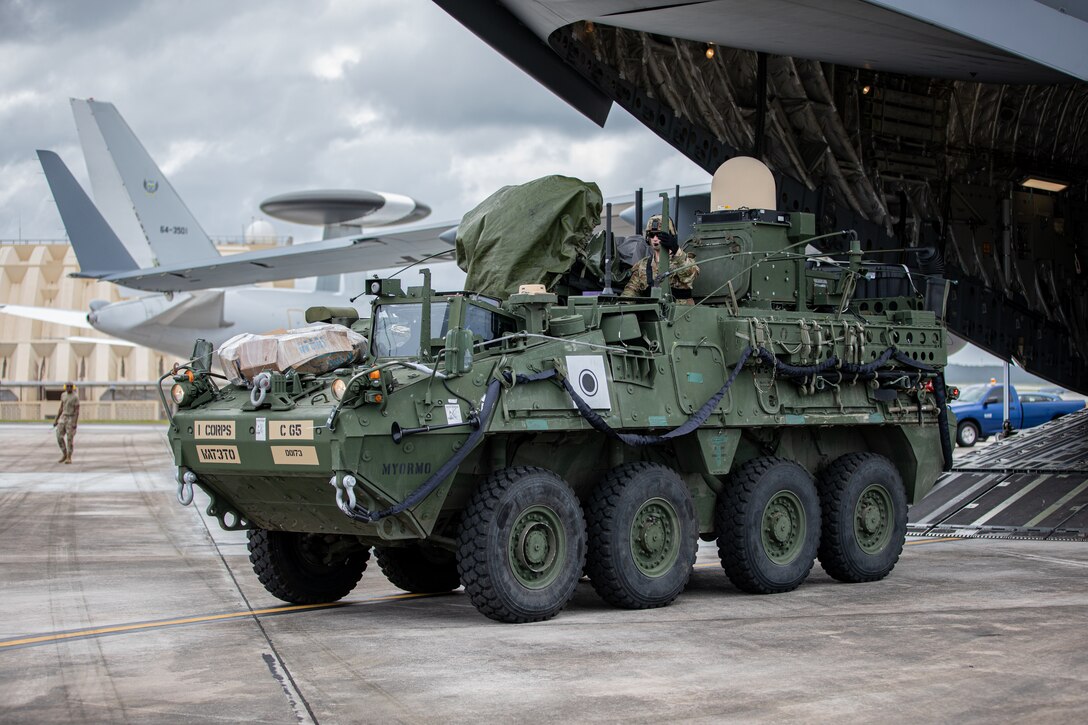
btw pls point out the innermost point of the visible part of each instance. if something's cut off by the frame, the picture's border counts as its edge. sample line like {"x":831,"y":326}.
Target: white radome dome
{"x":260,"y":232}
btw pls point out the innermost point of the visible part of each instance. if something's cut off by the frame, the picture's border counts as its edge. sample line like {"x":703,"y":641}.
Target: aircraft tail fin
{"x":97,"y":248}
{"x":122,"y":171}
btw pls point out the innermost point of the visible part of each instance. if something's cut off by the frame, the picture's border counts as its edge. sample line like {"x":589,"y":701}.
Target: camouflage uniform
{"x":67,"y":419}
{"x":682,"y":280}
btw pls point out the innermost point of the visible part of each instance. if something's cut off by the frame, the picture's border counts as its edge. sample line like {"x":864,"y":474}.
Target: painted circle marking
{"x":587,"y":381}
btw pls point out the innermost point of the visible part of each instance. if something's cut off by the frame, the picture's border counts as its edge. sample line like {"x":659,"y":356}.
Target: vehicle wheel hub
{"x":655,"y":542}
{"x":537,"y":547}
{"x":783,"y":529}
{"x":873,"y":516}
{"x":870,"y":518}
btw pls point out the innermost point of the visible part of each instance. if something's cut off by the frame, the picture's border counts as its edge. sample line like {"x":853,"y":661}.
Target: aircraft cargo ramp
{"x":1031,"y":486}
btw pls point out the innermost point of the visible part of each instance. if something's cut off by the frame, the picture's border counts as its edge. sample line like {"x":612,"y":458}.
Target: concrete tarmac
{"x":120,"y":605}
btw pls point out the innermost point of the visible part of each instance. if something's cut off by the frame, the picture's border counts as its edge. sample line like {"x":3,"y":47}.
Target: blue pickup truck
{"x":978,"y":411}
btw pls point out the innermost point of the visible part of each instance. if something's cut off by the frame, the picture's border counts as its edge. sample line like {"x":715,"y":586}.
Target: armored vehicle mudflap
{"x":1033,"y":485}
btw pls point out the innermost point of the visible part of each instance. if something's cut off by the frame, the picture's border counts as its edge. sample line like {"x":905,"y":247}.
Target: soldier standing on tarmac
{"x":66,"y":421}
{"x":642,"y":275}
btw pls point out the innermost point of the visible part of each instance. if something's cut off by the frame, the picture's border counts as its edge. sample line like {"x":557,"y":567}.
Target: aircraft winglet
{"x":99,"y":251}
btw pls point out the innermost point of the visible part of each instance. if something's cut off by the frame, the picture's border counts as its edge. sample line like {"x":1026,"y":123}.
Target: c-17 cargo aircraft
{"x":196,"y":290}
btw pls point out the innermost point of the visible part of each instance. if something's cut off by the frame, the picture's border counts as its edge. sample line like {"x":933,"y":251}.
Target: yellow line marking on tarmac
{"x":137,"y":626}
{"x":161,"y":623}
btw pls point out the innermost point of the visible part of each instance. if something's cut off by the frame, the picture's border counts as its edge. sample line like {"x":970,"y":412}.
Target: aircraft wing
{"x":71,"y":318}
{"x":102,"y":341}
{"x":332,"y":256}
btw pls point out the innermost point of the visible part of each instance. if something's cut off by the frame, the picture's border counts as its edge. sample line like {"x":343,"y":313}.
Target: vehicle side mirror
{"x":202,"y":356}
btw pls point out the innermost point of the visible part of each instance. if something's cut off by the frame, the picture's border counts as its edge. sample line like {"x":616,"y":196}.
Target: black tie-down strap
{"x":598,"y":423}
{"x":358,"y":513}
{"x":868,"y":371}
{"x":638,"y":439}
{"x":941,"y":396}
{"x":491,"y":397}
{"x":863,"y":372}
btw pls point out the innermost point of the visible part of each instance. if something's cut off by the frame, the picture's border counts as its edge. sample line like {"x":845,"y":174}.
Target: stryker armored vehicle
{"x":540,"y":427}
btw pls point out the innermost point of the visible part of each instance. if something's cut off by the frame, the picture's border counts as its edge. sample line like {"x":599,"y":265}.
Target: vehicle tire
{"x":864,"y":507}
{"x":522,"y":545}
{"x":768,"y":522}
{"x":306,"y":568}
{"x":967,"y":433}
{"x":418,"y":569}
{"x":642,"y":536}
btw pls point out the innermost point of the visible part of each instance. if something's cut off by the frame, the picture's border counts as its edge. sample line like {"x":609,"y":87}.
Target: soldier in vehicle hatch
{"x":66,"y":421}
{"x":642,"y":276}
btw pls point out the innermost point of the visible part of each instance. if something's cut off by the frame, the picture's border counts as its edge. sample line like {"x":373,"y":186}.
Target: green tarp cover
{"x":527,"y":234}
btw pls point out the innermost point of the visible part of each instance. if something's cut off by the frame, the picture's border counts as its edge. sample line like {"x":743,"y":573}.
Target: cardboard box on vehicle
{"x":315,"y":349}
{"x":245,"y":355}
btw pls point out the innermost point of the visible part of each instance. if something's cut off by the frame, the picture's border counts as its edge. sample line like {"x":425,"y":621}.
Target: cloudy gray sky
{"x":240,"y":101}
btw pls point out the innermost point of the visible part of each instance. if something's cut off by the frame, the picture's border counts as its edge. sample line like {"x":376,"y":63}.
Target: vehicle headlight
{"x":179,"y":393}
{"x":339,"y":386}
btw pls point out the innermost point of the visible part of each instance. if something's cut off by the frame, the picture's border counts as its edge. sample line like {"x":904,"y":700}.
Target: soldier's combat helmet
{"x":653,"y":224}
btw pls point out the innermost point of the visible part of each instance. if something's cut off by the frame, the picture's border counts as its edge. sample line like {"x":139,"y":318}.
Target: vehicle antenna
{"x":419,"y":261}
{"x":676,"y":212}
{"x":405,"y":268}
{"x":608,"y":251}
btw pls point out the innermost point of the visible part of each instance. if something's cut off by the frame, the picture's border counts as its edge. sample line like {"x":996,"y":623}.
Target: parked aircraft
{"x":190,"y":278}
{"x":172,"y":321}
